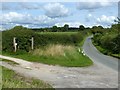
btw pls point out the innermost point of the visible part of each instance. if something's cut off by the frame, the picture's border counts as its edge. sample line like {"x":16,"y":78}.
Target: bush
{"x":97,"y":39}
{"x":116,"y":41}
{"x":109,"y":41}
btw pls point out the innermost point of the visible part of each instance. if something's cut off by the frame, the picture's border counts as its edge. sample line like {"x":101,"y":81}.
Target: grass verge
{"x":104,"y":51}
{"x":61,"y":55}
{"x":10,"y":79}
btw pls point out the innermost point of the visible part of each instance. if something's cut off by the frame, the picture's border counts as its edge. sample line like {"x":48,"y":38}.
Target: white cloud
{"x":89,"y":17}
{"x":92,"y":5}
{"x":44,"y":19}
{"x":14,"y":18}
{"x":105,"y":20}
{"x":56,"y":10}
{"x":101,"y":20}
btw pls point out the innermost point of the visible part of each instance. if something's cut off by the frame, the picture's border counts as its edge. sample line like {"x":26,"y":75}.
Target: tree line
{"x":65,"y":28}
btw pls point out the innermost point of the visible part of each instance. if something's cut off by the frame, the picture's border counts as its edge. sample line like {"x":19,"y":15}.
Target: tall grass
{"x":53,"y":50}
{"x":57,"y":54}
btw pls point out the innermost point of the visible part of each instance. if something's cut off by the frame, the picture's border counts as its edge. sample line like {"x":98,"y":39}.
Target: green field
{"x":57,"y":33}
{"x":10,"y":79}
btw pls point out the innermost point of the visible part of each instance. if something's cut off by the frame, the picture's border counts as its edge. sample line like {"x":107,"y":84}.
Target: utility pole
{"x":14,"y":44}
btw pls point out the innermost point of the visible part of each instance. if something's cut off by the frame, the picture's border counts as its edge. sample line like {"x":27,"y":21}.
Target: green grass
{"x":10,"y":79}
{"x":71,"y":59}
{"x":58,"y":33}
{"x":116,"y":55}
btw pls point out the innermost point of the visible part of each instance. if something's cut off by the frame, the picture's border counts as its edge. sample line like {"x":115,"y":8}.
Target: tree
{"x":94,"y":27}
{"x":66,"y":27}
{"x":54,"y":29}
{"x":118,"y":20}
{"x":81,"y":27}
{"x":118,"y":25}
{"x":100,"y":27}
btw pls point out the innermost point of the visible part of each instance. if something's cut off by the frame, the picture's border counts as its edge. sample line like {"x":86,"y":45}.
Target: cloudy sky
{"x":47,"y":14}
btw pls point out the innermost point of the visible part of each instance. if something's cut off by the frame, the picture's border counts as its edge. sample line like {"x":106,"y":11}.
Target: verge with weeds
{"x":61,"y":55}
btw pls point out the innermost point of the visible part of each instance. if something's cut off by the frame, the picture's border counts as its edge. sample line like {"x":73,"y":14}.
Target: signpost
{"x":14,"y":44}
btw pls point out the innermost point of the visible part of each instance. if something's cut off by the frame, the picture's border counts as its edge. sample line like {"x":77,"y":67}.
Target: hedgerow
{"x":23,"y":36}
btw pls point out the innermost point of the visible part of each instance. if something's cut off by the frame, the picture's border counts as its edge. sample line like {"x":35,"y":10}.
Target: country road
{"x":96,"y":56}
{"x":99,"y":75}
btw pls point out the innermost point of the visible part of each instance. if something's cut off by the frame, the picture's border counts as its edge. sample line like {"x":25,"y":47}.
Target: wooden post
{"x":32,"y":43}
{"x":14,"y":44}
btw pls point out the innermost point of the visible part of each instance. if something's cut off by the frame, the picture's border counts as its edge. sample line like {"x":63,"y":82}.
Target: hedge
{"x":23,"y":36}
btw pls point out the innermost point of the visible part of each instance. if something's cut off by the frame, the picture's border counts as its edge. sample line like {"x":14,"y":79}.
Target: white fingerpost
{"x":14,"y":44}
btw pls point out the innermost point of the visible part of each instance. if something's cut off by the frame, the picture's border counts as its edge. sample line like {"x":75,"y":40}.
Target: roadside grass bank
{"x":55,"y":54}
{"x":104,"y":51}
{"x":10,"y":79}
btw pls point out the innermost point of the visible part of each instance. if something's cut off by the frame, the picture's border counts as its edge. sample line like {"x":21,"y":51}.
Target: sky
{"x":48,"y":14}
